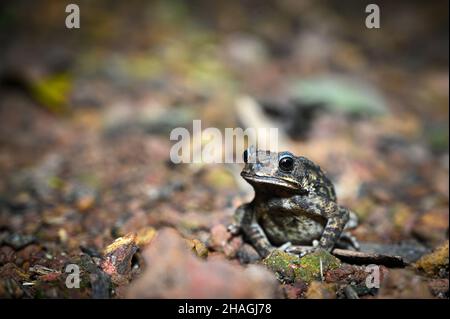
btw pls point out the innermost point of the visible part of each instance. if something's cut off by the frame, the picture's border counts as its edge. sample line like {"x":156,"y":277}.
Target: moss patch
{"x":290,"y":268}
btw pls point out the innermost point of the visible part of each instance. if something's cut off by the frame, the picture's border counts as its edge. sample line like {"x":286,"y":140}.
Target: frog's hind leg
{"x":252,"y":231}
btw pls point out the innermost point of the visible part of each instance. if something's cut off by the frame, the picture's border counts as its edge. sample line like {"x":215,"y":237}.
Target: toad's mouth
{"x":276,"y":182}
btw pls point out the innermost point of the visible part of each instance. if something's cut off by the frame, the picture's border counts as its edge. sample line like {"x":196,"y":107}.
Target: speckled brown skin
{"x":294,"y":203}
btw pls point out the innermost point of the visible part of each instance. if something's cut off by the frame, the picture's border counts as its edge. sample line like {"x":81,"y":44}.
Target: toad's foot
{"x":302,"y":250}
{"x":348,"y":241}
{"x":234,"y":229}
{"x":285,"y":246}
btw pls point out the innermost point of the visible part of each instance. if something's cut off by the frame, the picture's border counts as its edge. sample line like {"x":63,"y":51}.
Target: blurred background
{"x":85,"y":117}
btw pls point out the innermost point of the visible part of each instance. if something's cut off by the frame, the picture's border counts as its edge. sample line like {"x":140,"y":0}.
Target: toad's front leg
{"x":254,"y":234}
{"x":315,"y":205}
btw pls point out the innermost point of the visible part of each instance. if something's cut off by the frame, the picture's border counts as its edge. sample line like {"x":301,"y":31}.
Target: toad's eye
{"x":245,"y":156}
{"x":286,"y":163}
